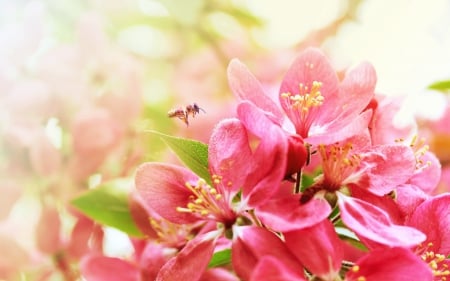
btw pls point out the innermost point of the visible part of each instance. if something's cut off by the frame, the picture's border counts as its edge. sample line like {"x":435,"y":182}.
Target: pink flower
{"x":321,"y":109}
{"x":180,"y":196}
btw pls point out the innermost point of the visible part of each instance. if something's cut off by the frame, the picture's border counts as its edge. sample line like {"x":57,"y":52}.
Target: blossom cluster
{"x":320,"y":184}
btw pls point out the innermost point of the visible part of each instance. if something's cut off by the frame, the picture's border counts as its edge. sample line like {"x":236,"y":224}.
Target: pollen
{"x":338,"y":163}
{"x":305,"y":100}
{"x":169,"y":233}
{"x":420,"y":147}
{"x":206,"y":202}
{"x":356,"y":269}
{"x":437,"y":264}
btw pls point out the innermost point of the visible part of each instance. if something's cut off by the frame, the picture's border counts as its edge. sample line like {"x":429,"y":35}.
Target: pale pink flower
{"x":321,"y":109}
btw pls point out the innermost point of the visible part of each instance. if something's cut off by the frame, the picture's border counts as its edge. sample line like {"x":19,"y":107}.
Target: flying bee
{"x":183,"y":113}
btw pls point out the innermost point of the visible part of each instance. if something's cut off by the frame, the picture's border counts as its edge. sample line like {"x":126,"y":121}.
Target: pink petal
{"x":162,"y":188}
{"x":384,"y":130}
{"x":251,"y":243}
{"x":397,"y":264}
{"x":246,"y":87}
{"x":310,"y":66}
{"x":270,"y":268}
{"x":432,"y":217}
{"x":152,"y":259}
{"x":141,"y":216}
{"x":427,"y":178}
{"x":318,"y":248}
{"x":392,"y":165}
{"x":374,"y":224}
{"x":218,"y":274}
{"x":408,"y":197}
{"x":79,"y":239}
{"x":287,"y":214}
{"x":229,"y":154}
{"x":356,"y":91}
{"x":101,"y":268}
{"x":48,"y":239}
{"x":191,"y":261}
{"x":268,"y":165}
{"x":338,"y":131}
{"x":386,"y":203}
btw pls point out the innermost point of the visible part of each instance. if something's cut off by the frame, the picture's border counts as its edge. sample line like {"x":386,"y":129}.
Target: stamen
{"x":420,"y":148}
{"x":206,"y":202}
{"x":338,"y":163}
{"x":305,"y":100}
{"x":436,"y":262}
{"x":169,"y":233}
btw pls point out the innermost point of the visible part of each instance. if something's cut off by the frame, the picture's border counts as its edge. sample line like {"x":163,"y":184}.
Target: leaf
{"x":108,"y":205}
{"x":220,"y":258}
{"x":443,"y":86}
{"x":193,"y":154}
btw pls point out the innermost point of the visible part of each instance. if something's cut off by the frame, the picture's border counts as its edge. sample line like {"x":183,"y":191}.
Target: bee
{"x":183,"y":113}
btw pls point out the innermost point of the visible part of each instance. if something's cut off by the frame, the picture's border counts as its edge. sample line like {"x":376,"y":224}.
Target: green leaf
{"x":220,"y":258}
{"x":193,"y":154}
{"x":443,"y":86}
{"x":108,"y":205}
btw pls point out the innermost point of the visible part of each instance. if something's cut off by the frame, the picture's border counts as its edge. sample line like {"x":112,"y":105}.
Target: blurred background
{"x":82,"y":80}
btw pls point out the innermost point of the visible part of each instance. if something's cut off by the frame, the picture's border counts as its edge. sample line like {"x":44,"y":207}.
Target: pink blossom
{"x":321,"y":109}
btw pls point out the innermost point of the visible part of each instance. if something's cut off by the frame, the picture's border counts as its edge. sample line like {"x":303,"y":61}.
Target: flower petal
{"x":318,"y":248}
{"x":270,"y":268}
{"x":397,"y":264}
{"x":287,"y":214}
{"x":268,"y":165}
{"x":229,"y":154}
{"x":393,"y":165}
{"x":338,"y":131}
{"x":427,"y":177}
{"x":162,"y":187}
{"x":356,"y":90}
{"x":246,"y":87}
{"x":433,"y":218}
{"x":251,"y":243}
{"x":100,"y":268}
{"x":191,"y":261}
{"x":374,"y":224}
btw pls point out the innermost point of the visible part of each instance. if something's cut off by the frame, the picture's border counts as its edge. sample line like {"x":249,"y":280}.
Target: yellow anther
{"x":355,"y":268}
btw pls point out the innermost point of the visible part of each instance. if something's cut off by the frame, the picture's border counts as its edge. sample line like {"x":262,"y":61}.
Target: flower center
{"x":206,"y":202}
{"x":302,"y":103}
{"x":437,"y":263}
{"x":338,"y":164}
